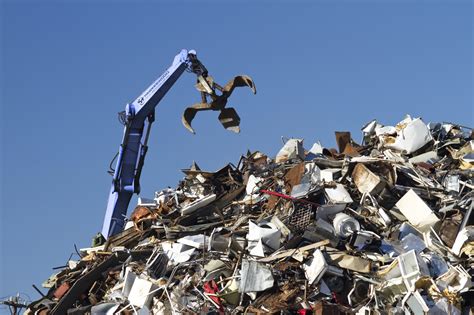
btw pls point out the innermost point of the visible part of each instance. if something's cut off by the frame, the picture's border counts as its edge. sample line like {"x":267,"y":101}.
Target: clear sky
{"x":67,"y":69}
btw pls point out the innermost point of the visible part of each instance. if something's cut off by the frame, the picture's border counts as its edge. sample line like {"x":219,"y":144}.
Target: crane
{"x":138,"y":117}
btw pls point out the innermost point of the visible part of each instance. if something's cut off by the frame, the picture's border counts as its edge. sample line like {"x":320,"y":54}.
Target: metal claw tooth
{"x":240,"y":81}
{"x":249,"y":82}
{"x":230,"y":119}
{"x":187,"y":117}
{"x":190,"y":113}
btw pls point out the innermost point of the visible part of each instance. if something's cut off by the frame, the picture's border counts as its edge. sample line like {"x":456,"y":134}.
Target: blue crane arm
{"x":138,"y":118}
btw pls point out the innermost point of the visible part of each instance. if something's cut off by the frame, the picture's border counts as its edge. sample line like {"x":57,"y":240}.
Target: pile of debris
{"x":382,"y":227}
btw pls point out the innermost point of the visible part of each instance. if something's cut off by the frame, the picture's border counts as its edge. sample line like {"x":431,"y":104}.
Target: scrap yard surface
{"x":379,"y":227}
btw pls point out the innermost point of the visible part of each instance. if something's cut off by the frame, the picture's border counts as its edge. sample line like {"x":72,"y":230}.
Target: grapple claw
{"x":228,"y":116}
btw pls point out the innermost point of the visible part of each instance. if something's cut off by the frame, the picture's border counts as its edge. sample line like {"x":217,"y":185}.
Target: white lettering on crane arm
{"x":151,"y":90}
{"x":142,"y":99}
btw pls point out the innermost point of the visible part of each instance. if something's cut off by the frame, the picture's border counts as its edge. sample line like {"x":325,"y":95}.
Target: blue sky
{"x":67,"y":69}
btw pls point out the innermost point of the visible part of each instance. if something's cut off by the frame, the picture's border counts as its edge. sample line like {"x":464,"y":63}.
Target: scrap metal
{"x":384,"y":226}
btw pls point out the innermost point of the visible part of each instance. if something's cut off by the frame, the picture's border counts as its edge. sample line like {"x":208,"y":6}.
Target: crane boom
{"x":139,"y":116}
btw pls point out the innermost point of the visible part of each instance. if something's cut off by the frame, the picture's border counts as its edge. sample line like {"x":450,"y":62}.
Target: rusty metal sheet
{"x":293,"y":176}
{"x":366,"y":181}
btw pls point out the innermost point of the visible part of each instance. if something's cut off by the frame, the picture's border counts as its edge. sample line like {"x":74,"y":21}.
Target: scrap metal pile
{"x":381,"y":227}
